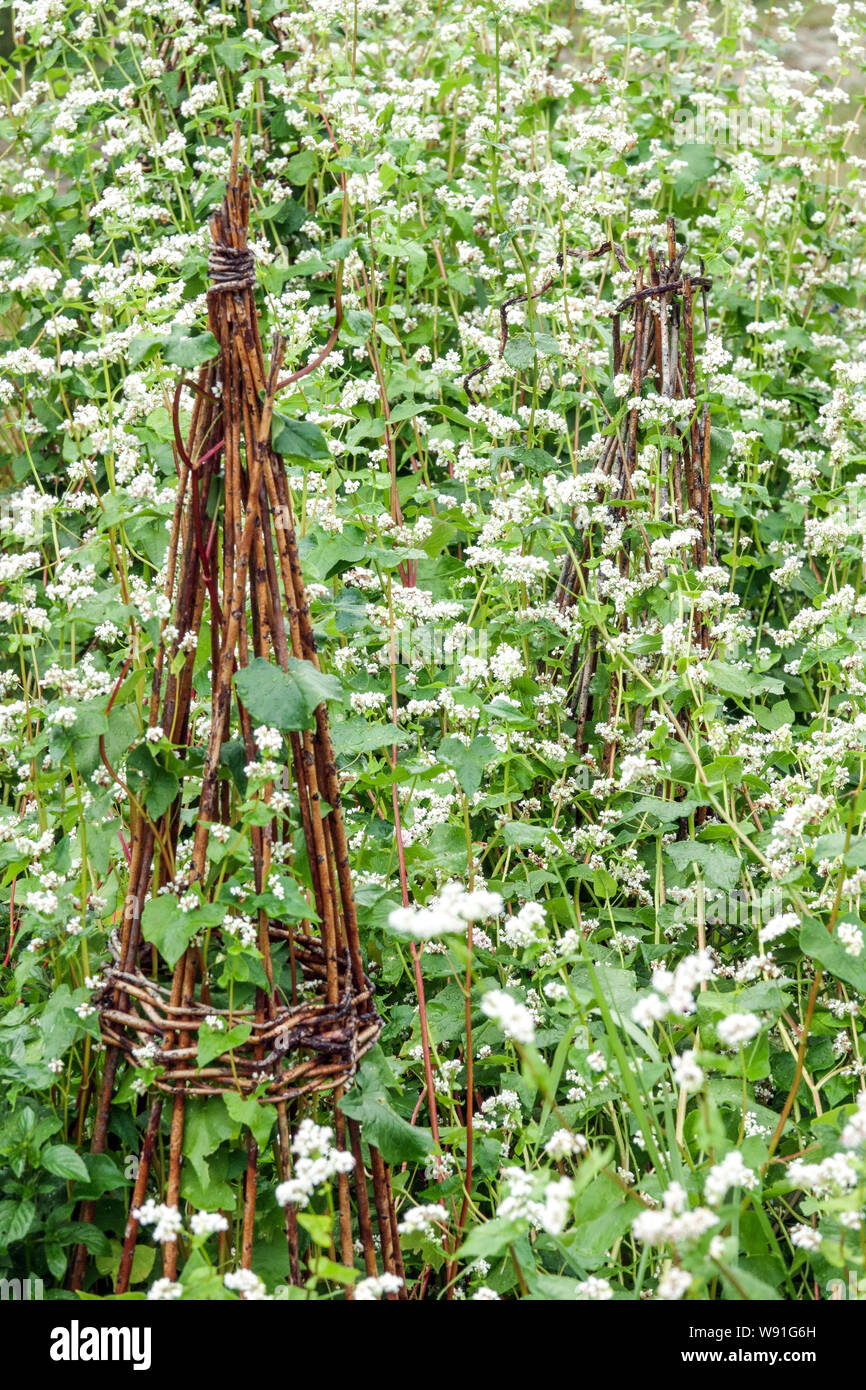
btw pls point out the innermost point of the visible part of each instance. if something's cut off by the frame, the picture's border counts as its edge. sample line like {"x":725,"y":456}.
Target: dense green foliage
{"x":665,"y":1033}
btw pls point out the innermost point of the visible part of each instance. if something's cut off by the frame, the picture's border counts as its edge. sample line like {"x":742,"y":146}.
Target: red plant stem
{"x":470,"y":1077}
{"x":328,"y":348}
{"x":12,"y":927}
{"x":416,"y":963}
{"x":203,"y":551}
{"x":415,"y":1113}
{"x":118,"y":683}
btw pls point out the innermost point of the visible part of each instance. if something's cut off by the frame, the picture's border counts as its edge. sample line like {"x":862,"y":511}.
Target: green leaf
{"x":141,"y":347}
{"x":206,"y":1126}
{"x":213,"y":1042}
{"x":285,"y":699}
{"x":64,"y":1162}
{"x":232,"y":53}
{"x":16,"y":1218}
{"x":519,"y":353}
{"x":700,"y":165}
{"x":246,"y":1110}
{"x":316,"y":686}
{"x":599,"y":1220}
{"x":732,"y":681}
{"x":721,"y":443}
{"x":289,"y":904}
{"x":212,"y":1192}
{"x":161,"y":787}
{"x":741,"y":1284}
{"x":142,"y":1262}
{"x":103,"y":1176}
{"x":491,"y":1238}
{"x":167,"y":927}
{"x":317,"y":1226}
{"x":774,"y":716}
{"x":298,"y":439}
{"x":368,"y":1102}
{"x":519,"y":832}
{"x":190,"y":352}
{"x":353,"y":736}
{"x":233,"y":756}
{"x":301,"y":167}
{"x":828,"y":951}
{"x":394,"y":1137}
{"x":323,"y":1268}
{"x":548,"y":345}
{"x":721,"y":866}
{"x":468,"y":763}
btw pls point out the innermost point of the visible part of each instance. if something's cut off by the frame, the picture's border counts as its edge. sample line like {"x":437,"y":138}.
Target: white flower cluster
{"x":447,"y":914}
{"x":423,"y":1219}
{"x":524,"y":927}
{"x":165,"y":1290}
{"x":777,"y":926}
{"x":832,"y":1175}
{"x":673,"y":1284}
{"x":208,"y":1223}
{"x":675,"y":990}
{"x":166,"y":1221}
{"x":563,"y":1144}
{"x":510,"y":1015}
{"x":731,"y":1172}
{"x":247,"y":1284}
{"x":268,"y":741}
{"x":368,"y":1290}
{"x":854,"y":1132}
{"x":850,"y":937}
{"x":316,"y":1163}
{"x":738,"y":1029}
{"x":673,"y":1223}
{"x":550,"y":1214}
{"x":594,"y":1290}
{"x":687,"y":1073}
{"x":805,"y":1238}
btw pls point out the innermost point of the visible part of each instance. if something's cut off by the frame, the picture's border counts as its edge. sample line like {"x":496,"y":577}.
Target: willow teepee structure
{"x":653,"y":345}
{"x":233,"y":568}
{"x":658,"y":346}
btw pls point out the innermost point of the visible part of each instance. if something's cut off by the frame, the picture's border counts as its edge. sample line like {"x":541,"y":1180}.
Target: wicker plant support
{"x":659,"y":346}
{"x":657,"y":343}
{"x":242,"y":561}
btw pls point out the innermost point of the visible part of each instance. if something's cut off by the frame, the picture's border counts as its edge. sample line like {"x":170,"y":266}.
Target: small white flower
{"x":166,"y":1221}
{"x":594,"y":1289}
{"x":673,"y":1285}
{"x":805,"y":1238}
{"x":165,"y":1289}
{"x":562,"y":1144}
{"x":687,"y":1073}
{"x":368,"y":1290}
{"x":208,"y":1223}
{"x":513,"y":1018}
{"x":244,"y":1282}
{"x":422,"y":1218}
{"x":737,"y":1029}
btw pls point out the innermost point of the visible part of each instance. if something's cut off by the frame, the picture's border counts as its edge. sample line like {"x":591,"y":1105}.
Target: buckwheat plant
{"x":623,"y":1054}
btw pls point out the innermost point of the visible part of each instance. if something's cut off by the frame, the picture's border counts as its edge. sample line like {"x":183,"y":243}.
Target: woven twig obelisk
{"x":233,"y":557}
{"x":659,"y":349}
